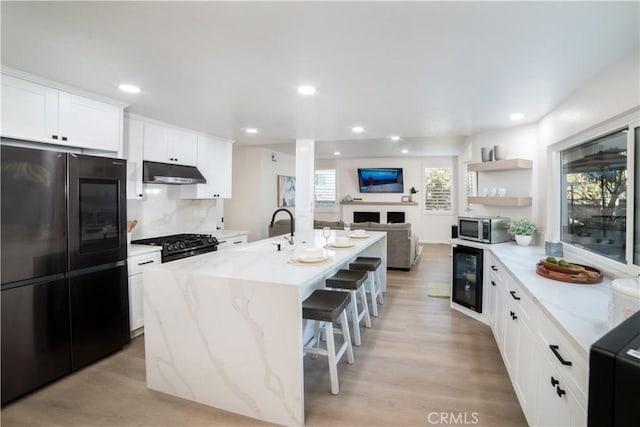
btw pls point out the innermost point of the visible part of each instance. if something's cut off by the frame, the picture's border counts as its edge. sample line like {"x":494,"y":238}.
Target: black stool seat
{"x":365,"y":263}
{"x":347,"y":279}
{"x":325,"y":305}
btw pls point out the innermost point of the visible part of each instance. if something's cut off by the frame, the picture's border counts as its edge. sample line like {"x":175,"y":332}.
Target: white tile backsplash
{"x":161,"y":212}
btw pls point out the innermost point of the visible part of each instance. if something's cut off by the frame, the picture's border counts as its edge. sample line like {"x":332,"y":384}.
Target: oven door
{"x":97,"y":211}
{"x":470,"y":229}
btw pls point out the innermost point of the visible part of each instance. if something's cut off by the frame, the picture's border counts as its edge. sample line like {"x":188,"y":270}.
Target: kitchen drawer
{"x":519,"y":298}
{"x":576,"y":373}
{"x":232,"y":241}
{"x":137,"y":263}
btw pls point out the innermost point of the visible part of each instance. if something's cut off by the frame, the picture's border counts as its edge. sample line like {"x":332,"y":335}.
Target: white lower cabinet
{"x":228,"y":242}
{"x":136,"y":265}
{"x":556,"y":403}
{"x":524,"y":335}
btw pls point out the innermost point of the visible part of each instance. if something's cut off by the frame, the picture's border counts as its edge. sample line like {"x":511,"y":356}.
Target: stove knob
{"x":209,"y":240}
{"x":182,"y":246}
{"x":169,"y":247}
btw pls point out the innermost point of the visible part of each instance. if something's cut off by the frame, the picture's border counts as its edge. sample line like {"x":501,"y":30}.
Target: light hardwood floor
{"x":419,"y":358}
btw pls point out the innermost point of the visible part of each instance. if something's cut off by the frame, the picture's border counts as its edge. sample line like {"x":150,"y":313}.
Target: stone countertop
{"x":135,"y":250}
{"x":581,"y":311}
{"x":260,"y":261}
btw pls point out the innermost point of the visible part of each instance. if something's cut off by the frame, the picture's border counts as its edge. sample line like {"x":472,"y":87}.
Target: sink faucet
{"x":293,"y":224}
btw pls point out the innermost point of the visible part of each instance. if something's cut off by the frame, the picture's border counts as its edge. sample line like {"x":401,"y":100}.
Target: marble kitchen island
{"x":225,"y":328}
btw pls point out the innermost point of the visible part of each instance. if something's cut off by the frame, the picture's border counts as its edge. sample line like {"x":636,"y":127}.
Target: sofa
{"x":402,"y":244}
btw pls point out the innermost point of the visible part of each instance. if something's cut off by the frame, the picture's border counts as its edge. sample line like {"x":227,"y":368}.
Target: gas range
{"x":180,"y":246}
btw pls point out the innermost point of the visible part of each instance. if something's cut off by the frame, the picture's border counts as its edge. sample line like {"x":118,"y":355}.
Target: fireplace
{"x":366,"y":217}
{"x":395,"y":217}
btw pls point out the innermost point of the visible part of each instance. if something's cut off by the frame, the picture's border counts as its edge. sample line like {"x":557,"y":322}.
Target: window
{"x":594,"y":195}
{"x":437,"y":189}
{"x":325,"y":188}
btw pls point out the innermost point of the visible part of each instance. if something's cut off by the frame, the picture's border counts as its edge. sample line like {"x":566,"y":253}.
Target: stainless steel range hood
{"x":165,"y":173}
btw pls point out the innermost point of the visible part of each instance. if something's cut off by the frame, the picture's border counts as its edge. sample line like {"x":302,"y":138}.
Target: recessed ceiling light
{"x":306,"y":90}
{"x":336,"y":153}
{"x":395,"y":138}
{"x":516,"y":116}
{"x":251,"y":130}
{"x":357,"y":129}
{"x":129,"y":88}
{"x":405,"y":151}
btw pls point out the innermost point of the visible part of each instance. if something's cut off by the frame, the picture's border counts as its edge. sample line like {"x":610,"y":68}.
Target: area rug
{"x":439,"y":289}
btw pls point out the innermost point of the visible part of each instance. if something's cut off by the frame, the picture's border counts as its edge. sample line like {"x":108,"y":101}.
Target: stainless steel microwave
{"x":484,"y":229}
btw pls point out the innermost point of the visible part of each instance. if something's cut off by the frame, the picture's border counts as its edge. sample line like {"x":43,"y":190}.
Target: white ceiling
{"x":424,"y":71}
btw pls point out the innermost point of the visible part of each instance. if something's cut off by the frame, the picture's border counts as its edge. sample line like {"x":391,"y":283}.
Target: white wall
{"x":255,"y":189}
{"x":521,"y":143}
{"x":430,"y":227}
{"x":161,"y":213}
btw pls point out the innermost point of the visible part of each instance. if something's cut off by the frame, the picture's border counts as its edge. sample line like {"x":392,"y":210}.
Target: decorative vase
{"x":523,"y":240}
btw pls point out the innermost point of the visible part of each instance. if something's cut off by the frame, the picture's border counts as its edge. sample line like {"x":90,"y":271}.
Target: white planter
{"x":523,"y":240}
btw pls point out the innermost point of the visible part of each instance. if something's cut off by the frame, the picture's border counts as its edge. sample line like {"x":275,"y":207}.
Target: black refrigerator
{"x":64,"y":292}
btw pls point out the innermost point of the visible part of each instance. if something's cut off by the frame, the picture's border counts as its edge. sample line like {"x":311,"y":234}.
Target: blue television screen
{"x":380,"y":180}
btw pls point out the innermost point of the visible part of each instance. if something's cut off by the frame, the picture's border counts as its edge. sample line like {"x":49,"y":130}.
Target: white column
{"x":305,"y":159}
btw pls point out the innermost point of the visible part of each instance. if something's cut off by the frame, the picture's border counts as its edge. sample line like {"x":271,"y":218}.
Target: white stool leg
{"x":354,"y":317}
{"x":365,"y":307}
{"x":316,"y":335}
{"x":347,"y":337}
{"x":372,"y":289}
{"x":379,"y":281}
{"x":331,"y":355}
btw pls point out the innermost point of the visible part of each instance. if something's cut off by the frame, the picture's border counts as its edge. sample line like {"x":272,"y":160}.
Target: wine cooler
{"x":466,"y":279}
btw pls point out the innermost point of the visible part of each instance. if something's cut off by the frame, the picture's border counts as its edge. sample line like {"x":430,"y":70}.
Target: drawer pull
{"x":555,"y":348}
{"x":238,"y":242}
{"x":493,"y":283}
{"x":560,"y":391}
{"x":146,"y":262}
{"x":554,"y":382}
{"x":513,"y":294}
{"x":513,"y":315}
{"x":493,"y":267}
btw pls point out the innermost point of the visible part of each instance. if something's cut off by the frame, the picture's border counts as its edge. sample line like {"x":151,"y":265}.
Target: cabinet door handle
{"x":64,"y":138}
{"x":555,"y":348}
{"x":146,"y":262}
{"x":560,"y":391}
{"x":238,"y":242}
{"x":493,"y":267}
{"x":493,"y":283}
{"x":513,"y":315}
{"x":513,"y":294}
{"x":554,"y":382}
{"x":54,"y":136}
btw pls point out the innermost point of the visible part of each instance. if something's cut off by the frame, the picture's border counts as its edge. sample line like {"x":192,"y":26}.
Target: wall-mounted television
{"x":380,"y":180}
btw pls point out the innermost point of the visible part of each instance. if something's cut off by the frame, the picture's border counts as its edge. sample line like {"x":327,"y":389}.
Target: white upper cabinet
{"x":214,"y":161}
{"x":29,"y":110}
{"x":166,"y":145}
{"x":88,"y":123}
{"x":39,"y":113}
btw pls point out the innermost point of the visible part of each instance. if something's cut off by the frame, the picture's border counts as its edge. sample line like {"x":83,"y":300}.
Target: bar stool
{"x":326,"y":306}
{"x":370,"y":265}
{"x":353,"y":281}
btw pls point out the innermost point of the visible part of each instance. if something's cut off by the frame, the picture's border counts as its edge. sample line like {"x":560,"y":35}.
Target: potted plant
{"x":523,"y":230}
{"x":412,"y":191}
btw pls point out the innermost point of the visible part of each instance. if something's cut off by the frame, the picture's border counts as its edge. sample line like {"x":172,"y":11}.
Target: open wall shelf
{"x":501,"y":201}
{"x":380,"y":203}
{"x":500,"y":165}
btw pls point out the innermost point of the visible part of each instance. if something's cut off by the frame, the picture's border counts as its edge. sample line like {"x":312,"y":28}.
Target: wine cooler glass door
{"x":467,"y":277}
